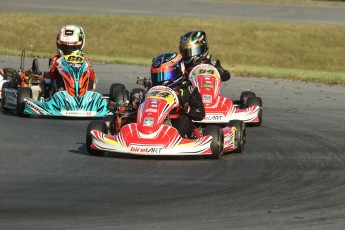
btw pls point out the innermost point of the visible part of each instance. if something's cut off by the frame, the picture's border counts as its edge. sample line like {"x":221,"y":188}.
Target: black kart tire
{"x":245,"y":95}
{"x":255,"y":101}
{"x":118,"y":95}
{"x":113,"y":88}
{"x":217,"y":144}
{"x":240,"y":136}
{"x":136,"y":91}
{"x":22,"y":93}
{"x":94,"y":125}
{"x":109,"y":121}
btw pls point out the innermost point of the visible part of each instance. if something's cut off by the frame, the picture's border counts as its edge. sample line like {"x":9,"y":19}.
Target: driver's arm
{"x":197,"y":109}
{"x":224,"y":74}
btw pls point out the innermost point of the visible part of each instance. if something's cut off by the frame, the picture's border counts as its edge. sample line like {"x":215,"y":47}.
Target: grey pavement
{"x":201,"y":9}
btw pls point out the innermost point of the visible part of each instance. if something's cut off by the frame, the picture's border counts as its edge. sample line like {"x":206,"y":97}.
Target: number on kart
{"x":75,"y":59}
{"x":206,"y":71}
{"x":160,"y":93}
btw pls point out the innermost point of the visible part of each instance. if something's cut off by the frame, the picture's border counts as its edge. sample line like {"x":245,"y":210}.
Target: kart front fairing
{"x":92,"y":104}
{"x":165,"y":141}
{"x":159,"y":102}
{"x":149,"y":136}
{"x":218,"y":109}
{"x":74,"y":70}
{"x":76,"y":100}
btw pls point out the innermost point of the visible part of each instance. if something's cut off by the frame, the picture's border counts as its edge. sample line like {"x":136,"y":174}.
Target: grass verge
{"x":282,"y":50}
{"x":322,"y":3}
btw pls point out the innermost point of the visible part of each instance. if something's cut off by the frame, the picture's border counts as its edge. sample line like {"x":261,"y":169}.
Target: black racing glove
{"x":215,"y":63}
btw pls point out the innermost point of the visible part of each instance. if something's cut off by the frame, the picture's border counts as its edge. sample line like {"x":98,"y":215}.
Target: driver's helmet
{"x":70,"y":40}
{"x":167,"y":69}
{"x":194,"y":47}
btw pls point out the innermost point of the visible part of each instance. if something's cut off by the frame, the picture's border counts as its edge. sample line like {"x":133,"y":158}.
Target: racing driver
{"x":194,"y":50}
{"x":168,"y":69}
{"x":69,"y":40}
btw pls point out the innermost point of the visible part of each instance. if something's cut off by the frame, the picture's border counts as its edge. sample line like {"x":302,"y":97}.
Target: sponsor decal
{"x":11,"y":94}
{"x":206,"y":98}
{"x":11,"y":100}
{"x":146,"y":149}
{"x":152,"y":110}
{"x":227,"y":141}
{"x":207,"y":86}
{"x":153,"y":102}
{"x":148,"y":121}
{"x":213,"y":117}
{"x":78,"y":113}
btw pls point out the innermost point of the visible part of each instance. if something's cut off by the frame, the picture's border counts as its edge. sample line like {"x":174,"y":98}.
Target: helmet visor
{"x":191,"y":51}
{"x":160,"y":77}
{"x":68,"y":49}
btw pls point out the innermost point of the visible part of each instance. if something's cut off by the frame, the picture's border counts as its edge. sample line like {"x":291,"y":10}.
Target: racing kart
{"x":18,"y":84}
{"x":147,"y":130}
{"x":220,"y":109}
{"x":42,"y":97}
{"x":5,"y":76}
{"x":232,"y":116}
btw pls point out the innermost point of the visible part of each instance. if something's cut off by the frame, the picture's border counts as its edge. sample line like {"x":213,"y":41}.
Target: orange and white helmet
{"x":70,"y":40}
{"x":167,"y":69}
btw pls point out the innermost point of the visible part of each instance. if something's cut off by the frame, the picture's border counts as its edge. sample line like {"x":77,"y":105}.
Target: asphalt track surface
{"x":216,"y":9}
{"x":290,"y":176}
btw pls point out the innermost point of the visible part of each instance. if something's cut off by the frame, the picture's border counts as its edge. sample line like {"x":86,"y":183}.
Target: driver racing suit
{"x":192,"y":109}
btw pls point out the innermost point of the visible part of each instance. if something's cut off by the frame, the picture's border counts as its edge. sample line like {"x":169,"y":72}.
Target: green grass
{"x":295,"y":51}
{"x":333,"y":3}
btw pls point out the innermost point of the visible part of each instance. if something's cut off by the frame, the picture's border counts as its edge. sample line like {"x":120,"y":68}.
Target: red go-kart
{"x":151,"y":134}
{"x":223,"y":111}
